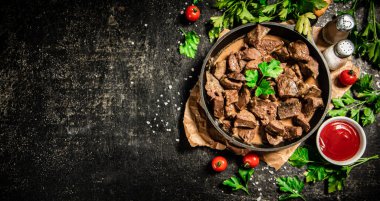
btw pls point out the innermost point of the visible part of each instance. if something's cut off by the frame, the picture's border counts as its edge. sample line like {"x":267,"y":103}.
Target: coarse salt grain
{"x":257,"y":182}
{"x":156,"y":114}
{"x":270,"y":171}
{"x":178,"y":93}
{"x":169,"y":129}
{"x":131,"y":82}
{"x":185,"y":78}
{"x":154,"y":131}
{"x":179,"y":108}
{"x":192,"y":69}
{"x":147,"y":122}
{"x":177,"y":140}
{"x":161,"y":95}
{"x":167,"y":50}
{"x":145,"y":25}
{"x":158,"y":100}
{"x":170,"y":86}
{"x":165,"y":103}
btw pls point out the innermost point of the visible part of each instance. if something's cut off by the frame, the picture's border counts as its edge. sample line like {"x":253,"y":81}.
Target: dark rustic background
{"x":91,"y":103}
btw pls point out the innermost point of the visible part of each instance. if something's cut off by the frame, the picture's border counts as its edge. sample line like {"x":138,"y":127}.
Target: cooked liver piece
{"x":247,"y":135}
{"x":282,"y":54}
{"x":230,"y":111}
{"x":302,"y":121}
{"x":313,"y":91}
{"x":312,"y":104}
{"x":233,"y":64}
{"x":274,"y":140}
{"x":226,"y":125}
{"x":253,"y":64}
{"x":297,"y":71}
{"x":250,"y":54}
{"x":292,"y":132}
{"x":244,"y":97}
{"x":289,"y":108}
{"x":212,"y":86}
{"x":232,"y":96}
{"x":299,"y":51}
{"x":229,"y":84}
{"x":236,"y":76}
{"x":275,"y":128}
{"x":267,"y":46}
{"x":287,"y":87}
{"x":265,"y":110}
{"x":220,"y":69}
{"x":218,"y":106}
{"x":257,"y":34}
{"x":242,"y":64}
{"x":245,"y":119}
{"x":310,"y":68}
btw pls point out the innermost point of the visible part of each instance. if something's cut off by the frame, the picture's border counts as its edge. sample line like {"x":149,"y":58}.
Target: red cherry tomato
{"x":347,"y":77}
{"x":251,"y":160}
{"x":219,"y":163}
{"x":192,"y":13}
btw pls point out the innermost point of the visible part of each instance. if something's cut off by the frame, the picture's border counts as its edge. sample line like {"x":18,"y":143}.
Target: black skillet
{"x":285,"y":32}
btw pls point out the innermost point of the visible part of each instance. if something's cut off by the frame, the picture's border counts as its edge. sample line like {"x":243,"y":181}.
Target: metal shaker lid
{"x":344,"y":48}
{"x":345,"y":23}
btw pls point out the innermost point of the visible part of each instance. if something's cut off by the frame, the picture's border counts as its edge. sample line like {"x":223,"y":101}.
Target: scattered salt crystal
{"x":154,"y":131}
{"x":156,"y":114}
{"x":131,"y":82}
{"x":185,"y":3}
{"x":166,"y":123}
{"x":178,"y":93}
{"x":192,"y":69}
{"x":170,"y":86}
{"x":161,"y":95}
{"x":179,"y":108}
{"x":158,"y":106}
{"x":150,"y":126}
{"x":158,"y":100}
{"x":177,"y":140}
{"x":154,"y":118}
{"x":258,"y":199}
{"x":173,"y":98}
{"x":156,"y":125}
{"x":185,"y":78}
{"x":169,"y":129}
{"x":182,"y":12}
{"x":257,"y":182}
{"x":165,"y":103}
{"x":167,"y":50}
{"x":178,"y":42}
{"x":162,"y":120}
{"x":168,"y":101}
{"x":175,"y":105}
{"x":285,"y":167}
{"x":270,"y":171}
{"x":147,"y":122}
{"x":145,"y":25}
{"x":196,"y":25}
{"x":190,"y":76}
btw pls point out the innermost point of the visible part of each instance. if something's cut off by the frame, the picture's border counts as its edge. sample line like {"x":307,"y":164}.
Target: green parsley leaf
{"x":338,"y":102}
{"x":246,"y":174}
{"x":235,"y":184}
{"x":217,"y":23}
{"x":347,"y":98}
{"x":368,"y":117}
{"x":305,"y":6}
{"x":196,"y":1}
{"x":264,"y":89}
{"x":270,"y":9}
{"x":251,"y":76}
{"x":338,"y":112}
{"x":245,"y":16}
{"x":315,"y":173}
{"x":364,"y":84}
{"x":291,"y":185}
{"x":300,"y":157}
{"x":190,"y":46}
{"x":271,"y":70}
{"x":377,"y":105}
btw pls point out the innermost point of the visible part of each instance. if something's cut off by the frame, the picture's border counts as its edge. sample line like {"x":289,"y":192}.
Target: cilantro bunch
{"x":241,"y":183}
{"x":237,"y":12}
{"x":262,"y":85}
{"x":190,"y":46}
{"x":360,"y":106}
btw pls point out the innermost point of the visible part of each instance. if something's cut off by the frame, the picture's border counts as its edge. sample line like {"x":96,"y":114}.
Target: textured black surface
{"x":91,"y":100}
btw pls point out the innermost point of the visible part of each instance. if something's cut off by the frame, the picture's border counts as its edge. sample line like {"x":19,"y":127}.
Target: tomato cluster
{"x":219,"y":163}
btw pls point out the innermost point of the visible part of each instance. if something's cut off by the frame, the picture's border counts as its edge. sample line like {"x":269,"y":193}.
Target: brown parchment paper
{"x":200,"y":132}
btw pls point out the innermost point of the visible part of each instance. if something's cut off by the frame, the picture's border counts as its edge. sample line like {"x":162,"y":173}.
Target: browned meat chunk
{"x":312,"y":91}
{"x":247,"y":135}
{"x":218,"y":104}
{"x":274,"y":140}
{"x":257,"y":34}
{"x":232,"y":96}
{"x":228,"y":84}
{"x":230,"y":111}
{"x":253,"y":64}
{"x":212,"y":86}
{"x":292,"y":132}
{"x":267,"y":46}
{"x":302,"y":121}
{"x":297,"y":71}
{"x":244,"y":98}
{"x":236,"y":76}
{"x":250,"y":54}
{"x":282,"y":54}
{"x":310,"y":68}
{"x":264,"y":110}
{"x":242,"y":64}
{"x":226,"y":125}
{"x":289,"y":108}
{"x":312,"y":104}
{"x":275,"y":128}
{"x":268,"y":58}
{"x":287,"y":87}
{"x":233,"y":64}
{"x":220,"y":69}
{"x":245,"y":119}
{"x":299,"y":51}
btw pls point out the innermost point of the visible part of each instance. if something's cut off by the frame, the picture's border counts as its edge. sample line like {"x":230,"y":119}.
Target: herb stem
{"x":363,"y":160}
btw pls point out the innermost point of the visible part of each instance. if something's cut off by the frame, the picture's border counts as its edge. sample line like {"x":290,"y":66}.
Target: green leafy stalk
{"x":190,"y":46}
{"x":292,"y":186}
{"x":241,"y":183}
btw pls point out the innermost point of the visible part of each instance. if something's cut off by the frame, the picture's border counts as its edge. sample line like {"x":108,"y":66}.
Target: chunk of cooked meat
{"x":287,"y":87}
{"x":244,"y":97}
{"x":297,"y":71}
{"x":230,"y":111}
{"x":257,"y":34}
{"x":292,"y":132}
{"x":289,"y":108}
{"x":282,"y":54}
{"x":274,"y":140}
{"x":312,"y":104}
{"x":275,"y":128}
{"x":268,"y":58}
{"x":232,"y":96}
{"x":218,"y":106}
{"x":242,"y":64}
{"x":226,"y":125}
{"x":245,"y":119}
{"x":220,"y":69}
{"x":236,"y":76}
{"x":247,"y":135}
{"x":310,"y":68}
{"x":253,"y":64}
{"x":299,"y":51}
{"x":229,"y":84}
{"x":233,"y":64}
{"x":250,"y":54}
{"x":302,"y":121}
{"x":212,"y":86}
{"x":265,"y":110}
{"x":312,"y":91}
{"x":267,"y":46}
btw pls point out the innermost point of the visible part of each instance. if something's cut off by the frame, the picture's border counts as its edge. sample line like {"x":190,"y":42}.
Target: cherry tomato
{"x":192,"y":13}
{"x":347,"y":77}
{"x":251,"y":160}
{"x":219,"y":163}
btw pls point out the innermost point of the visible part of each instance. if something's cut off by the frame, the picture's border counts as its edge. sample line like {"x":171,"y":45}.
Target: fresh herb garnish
{"x":190,"y":46}
{"x":300,"y":157}
{"x":362,"y":106}
{"x":293,"y":186}
{"x":196,"y":1}
{"x":263,"y":87}
{"x":241,"y":183}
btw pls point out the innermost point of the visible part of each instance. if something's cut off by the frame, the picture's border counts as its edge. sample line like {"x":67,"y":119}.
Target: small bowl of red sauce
{"x":341,"y":140}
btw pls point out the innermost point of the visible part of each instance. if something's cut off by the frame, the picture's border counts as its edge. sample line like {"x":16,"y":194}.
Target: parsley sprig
{"x":293,"y":186}
{"x":263,"y":87}
{"x":360,"y":106}
{"x":190,"y":46}
{"x":241,"y":183}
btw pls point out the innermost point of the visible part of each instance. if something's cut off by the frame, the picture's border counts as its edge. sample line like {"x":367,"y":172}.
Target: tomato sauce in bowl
{"x":341,"y":140}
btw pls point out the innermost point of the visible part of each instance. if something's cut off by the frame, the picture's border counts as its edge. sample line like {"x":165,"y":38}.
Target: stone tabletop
{"x":92,"y":96}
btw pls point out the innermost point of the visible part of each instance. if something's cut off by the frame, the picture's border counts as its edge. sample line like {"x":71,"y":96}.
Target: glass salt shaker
{"x":336,"y":55}
{"x":338,"y":29}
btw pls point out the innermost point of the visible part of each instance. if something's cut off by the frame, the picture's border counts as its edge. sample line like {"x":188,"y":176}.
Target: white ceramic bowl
{"x":362,"y":136}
